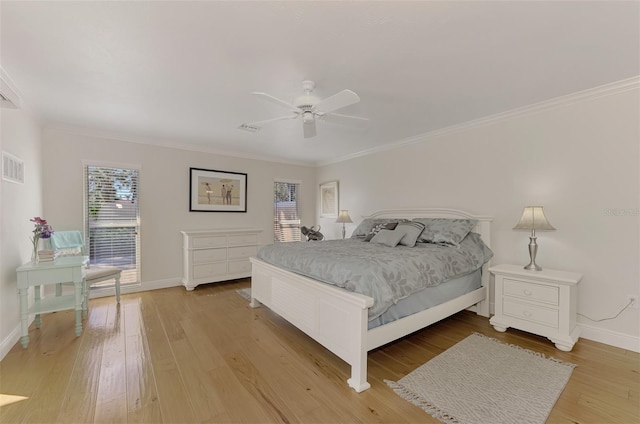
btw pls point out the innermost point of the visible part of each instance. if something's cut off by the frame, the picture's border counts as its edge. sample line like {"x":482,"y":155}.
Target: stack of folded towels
{"x":47,"y":255}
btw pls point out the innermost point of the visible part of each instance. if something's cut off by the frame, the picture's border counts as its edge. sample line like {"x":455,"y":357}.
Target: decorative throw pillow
{"x":387,"y":237}
{"x":411,"y":231}
{"x":363,"y":229}
{"x":449,"y":232}
{"x":376,"y":228}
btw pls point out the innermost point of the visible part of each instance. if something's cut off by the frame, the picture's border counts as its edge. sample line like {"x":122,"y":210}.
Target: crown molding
{"x":169,"y":144}
{"x":610,"y":89}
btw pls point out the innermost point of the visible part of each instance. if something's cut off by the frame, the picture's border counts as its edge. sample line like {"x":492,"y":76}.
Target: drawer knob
{"x":528,"y":292}
{"x":526,"y":314}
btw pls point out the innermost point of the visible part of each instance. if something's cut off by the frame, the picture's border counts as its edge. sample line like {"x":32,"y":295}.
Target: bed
{"x":339,"y":319}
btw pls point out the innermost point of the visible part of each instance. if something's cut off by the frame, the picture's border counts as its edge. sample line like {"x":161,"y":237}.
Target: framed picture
{"x":329,"y":199}
{"x":217,"y":191}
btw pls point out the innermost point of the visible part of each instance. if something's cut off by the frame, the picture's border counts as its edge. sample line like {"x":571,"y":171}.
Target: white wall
{"x":579,"y":160}
{"x":164,"y":194}
{"x":20,"y":135}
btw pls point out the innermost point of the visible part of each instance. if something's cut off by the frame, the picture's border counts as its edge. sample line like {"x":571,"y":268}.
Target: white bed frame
{"x":337,"y":319}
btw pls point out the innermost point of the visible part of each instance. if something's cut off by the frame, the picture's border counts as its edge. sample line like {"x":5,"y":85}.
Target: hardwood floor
{"x":172,"y":356}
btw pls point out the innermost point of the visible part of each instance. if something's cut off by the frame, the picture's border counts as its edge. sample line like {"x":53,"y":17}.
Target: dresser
{"x":539,"y":302}
{"x":217,"y":255}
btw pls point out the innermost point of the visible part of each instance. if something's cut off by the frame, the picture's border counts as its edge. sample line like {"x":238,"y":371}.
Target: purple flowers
{"x":42,"y":230}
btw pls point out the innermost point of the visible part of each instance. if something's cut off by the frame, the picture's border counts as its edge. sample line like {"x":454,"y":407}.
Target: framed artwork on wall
{"x":329,"y":199}
{"x":217,"y":191}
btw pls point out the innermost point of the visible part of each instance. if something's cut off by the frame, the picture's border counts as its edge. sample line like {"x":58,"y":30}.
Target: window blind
{"x":286,"y":216}
{"x":112,"y":219}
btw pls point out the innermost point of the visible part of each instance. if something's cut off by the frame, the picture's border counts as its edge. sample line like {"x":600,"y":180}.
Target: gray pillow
{"x":363,"y":229}
{"x":387,"y":237}
{"x":448,"y":232}
{"x":376,"y":228}
{"x":411,"y":231}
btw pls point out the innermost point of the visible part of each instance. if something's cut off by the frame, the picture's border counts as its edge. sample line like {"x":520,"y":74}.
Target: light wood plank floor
{"x":172,"y":356}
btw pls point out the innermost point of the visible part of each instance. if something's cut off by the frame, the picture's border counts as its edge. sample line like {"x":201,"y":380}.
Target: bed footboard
{"x":335,"y":318}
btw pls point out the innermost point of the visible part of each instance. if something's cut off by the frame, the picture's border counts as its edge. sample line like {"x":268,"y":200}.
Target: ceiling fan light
{"x":307,"y":117}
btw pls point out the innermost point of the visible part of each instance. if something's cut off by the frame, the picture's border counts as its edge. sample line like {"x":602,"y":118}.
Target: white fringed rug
{"x":483,"y":381}
{"x":246,"y":293}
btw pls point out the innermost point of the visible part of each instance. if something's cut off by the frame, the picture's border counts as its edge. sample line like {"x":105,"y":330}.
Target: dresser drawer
{"x":527,"y":312}
{"x":209,"y":255}
{"x":209,"y":241}
{"x":243,"y":239}
{"x":531,"y":291}
{"x":242,"y":252}
{"x":209,"y":270}
{"x":242,"y":266}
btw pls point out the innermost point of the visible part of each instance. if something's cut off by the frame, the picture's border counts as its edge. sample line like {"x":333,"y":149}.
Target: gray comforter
{"x":387,"y":274}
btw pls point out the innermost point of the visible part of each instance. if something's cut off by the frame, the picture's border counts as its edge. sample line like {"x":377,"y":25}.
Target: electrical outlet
{"x":633,"y":298}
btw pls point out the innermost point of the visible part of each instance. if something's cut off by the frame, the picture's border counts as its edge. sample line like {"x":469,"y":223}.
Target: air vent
{"x":249,"y":128}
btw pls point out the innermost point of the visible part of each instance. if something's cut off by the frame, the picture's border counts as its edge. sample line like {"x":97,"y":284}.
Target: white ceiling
{"x":181,"y":72}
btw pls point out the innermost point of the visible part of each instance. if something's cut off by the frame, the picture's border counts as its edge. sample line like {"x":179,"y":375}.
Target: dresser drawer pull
{"x":527,"y":314}
{"x":528,"y":292}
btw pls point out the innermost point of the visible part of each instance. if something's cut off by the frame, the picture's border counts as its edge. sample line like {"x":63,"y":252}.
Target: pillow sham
{"x":411,"y":231}
{"x":376,"y":228}
{"x":448,"y":232}
{"x":387,"y":237}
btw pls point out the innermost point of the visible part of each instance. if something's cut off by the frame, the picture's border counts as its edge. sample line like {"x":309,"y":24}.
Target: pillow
{"x":448,"y":232}
{"x":411,"y":231}
{"x":376,"y":228}
{"x":387,"y":237}
{"x":363,"y":229}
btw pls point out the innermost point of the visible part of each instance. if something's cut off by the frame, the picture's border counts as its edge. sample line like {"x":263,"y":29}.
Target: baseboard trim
{"x":136,"y":288}
{"x":14,"y":337}
{"x":611,"y":338}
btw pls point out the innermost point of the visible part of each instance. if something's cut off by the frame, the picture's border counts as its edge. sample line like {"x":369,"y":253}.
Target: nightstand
{"x":540,"y":302}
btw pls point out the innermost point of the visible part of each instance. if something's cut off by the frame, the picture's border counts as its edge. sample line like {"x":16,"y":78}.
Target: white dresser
{"x":217,"y":255}
{"x":540,"y":302}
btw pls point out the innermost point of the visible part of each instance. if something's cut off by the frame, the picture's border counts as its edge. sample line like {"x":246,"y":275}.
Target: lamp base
{"x":533,"y":267}
{"x":533,"y":250}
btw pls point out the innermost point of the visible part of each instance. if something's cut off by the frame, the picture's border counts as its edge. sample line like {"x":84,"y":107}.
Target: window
{"x":286,"y":214}
{"x":112,"y":219}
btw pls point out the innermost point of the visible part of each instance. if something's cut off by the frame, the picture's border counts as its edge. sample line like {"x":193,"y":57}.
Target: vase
{"x":35,"y":258}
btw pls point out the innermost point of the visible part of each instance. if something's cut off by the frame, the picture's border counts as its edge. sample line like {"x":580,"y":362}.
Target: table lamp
{"x":344,"y":218}
{"x":533,"y":219}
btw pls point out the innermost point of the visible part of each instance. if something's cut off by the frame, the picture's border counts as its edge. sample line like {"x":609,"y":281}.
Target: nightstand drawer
{"x":531,"y":313}
{"x":531,"y":291}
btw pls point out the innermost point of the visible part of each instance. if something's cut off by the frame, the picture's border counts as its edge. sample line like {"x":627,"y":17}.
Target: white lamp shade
{"x":533,"y":218}
{"x":343,"y":217}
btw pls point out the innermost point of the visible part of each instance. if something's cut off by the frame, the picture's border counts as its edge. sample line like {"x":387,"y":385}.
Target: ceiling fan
{"x":311,"y":108}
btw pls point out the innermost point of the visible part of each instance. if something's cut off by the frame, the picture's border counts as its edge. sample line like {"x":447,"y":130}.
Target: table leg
{"x":36,"y":291}
{"x":24,"y":317}
{"x":79,"y":297}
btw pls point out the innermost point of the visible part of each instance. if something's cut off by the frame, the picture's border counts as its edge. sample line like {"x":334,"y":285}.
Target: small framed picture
{"x":217,"y":191}
{"x":329,"y":199}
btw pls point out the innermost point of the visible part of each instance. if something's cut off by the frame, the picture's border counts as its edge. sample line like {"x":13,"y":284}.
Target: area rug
{"x":483,"y":381}
{"x":246,"y":293}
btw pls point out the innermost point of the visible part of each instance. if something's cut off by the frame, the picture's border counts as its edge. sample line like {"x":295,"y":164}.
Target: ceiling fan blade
{"x":337,"y":101}
{"x":309,"y":128}
{"x":255,"y":126}
{"x":347,"y":120}
{"x":269,"y":98}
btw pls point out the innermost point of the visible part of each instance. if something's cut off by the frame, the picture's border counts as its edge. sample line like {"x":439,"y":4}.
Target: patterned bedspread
{"x":387,"y":274}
